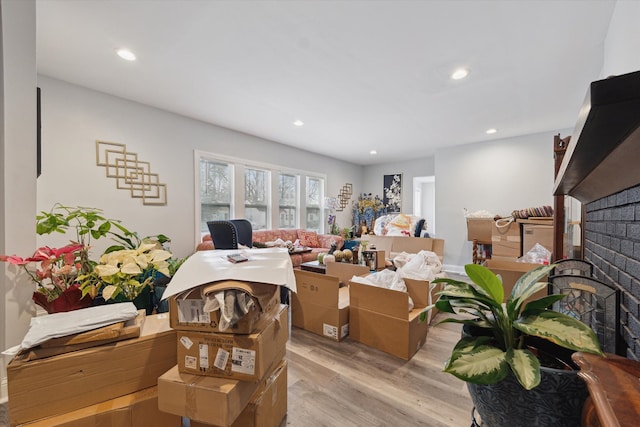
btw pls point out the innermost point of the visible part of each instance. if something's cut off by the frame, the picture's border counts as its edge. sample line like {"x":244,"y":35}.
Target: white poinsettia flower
{"x":108,"y":291}
{"x":145,"y":247}
{"x":142,"y":260}
{"x":131,"y":268}
{"x":106,"y":270}
{"x":159,"y":255}
{"x":162,"y":267}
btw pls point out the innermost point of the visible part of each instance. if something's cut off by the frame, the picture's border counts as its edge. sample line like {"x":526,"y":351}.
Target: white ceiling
{"x":362,"y":75}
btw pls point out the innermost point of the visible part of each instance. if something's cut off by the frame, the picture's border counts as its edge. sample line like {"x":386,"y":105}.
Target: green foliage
{"x":488,"y":359}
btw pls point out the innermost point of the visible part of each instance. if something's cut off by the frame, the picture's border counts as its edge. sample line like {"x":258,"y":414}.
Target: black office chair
{"x":573,"y":266}
{"x":228,"y":234}
{"x":593,"y":302}
{"x":244,"y":232}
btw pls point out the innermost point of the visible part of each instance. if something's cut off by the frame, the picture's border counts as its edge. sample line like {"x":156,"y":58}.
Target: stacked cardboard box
{"x":226,"y":377}
{"x":114,"y":382}
{"x":506,"y":241}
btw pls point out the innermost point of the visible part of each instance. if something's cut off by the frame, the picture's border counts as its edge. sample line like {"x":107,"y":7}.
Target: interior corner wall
{"x":74,"y":117}
{"x":17,"y":168}
{"x":499,"y":176}
{"x":374,"y":175}
{"x":622,"y":45}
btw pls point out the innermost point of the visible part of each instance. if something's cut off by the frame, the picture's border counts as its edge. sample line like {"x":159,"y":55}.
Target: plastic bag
{"x":388,"y":279}
{"x":424,"y":265}
{"x":538,"y":254}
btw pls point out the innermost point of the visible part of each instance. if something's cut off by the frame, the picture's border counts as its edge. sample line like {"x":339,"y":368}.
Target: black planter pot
{"x":557,"y":401}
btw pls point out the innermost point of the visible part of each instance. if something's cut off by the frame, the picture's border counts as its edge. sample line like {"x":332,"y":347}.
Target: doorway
{"x":424,"y":201}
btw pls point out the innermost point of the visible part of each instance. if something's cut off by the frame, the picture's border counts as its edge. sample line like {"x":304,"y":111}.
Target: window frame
{"x":237,"y":202}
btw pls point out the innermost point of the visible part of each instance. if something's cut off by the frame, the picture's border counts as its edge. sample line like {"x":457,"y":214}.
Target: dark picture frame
{"x":392,"y":192}
{"x":38,"y":135}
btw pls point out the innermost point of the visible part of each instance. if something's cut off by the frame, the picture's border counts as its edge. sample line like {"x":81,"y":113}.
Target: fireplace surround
{"x":601,"y":169}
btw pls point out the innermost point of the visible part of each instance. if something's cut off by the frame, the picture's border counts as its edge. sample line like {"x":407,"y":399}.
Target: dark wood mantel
{"x":602,"y":156}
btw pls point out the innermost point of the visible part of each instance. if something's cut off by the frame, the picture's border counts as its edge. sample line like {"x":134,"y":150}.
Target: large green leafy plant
{"x":487,"y":359}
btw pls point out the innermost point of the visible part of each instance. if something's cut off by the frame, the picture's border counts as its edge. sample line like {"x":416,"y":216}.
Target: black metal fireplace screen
{"x":593,"y":302}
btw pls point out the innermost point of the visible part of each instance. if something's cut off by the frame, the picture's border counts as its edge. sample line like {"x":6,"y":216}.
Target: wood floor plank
{"x":351,"y":384}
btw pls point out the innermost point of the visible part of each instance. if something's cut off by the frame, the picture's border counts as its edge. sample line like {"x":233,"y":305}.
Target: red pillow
{"x":308,"y":238}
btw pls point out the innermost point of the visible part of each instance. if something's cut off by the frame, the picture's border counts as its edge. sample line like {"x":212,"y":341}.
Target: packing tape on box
{"x":191,"y":410}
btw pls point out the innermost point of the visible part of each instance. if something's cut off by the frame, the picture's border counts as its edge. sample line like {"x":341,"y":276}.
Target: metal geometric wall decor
{"x":130,"y":173}
{"x":344,"y":195}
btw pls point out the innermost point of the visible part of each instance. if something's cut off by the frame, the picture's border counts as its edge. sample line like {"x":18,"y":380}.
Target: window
{"x":269,"y":196}
{"x":215,"y":192}
{"x":315,"y":190}
{"x":256,"y":196}
{"x":287,"y":201}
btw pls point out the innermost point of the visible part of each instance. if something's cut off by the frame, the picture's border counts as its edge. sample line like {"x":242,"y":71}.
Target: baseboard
{"x":4,"y":393}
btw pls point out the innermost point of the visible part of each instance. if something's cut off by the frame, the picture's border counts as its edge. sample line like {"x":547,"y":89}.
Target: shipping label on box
{"x":188,"y":309}
{"x":243,"y":357}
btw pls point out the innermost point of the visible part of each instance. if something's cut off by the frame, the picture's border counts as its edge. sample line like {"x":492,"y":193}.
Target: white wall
{"x":374,"y":175}
{"x":73,"y":118}
{"x":17,"y":168}
{"x":622,"y":45}
{"x":499,"y":176}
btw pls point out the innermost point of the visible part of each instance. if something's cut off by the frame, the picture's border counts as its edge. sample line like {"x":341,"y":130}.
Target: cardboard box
{"x":479,"y":229}
{"x":375,"y":260}
{"x":344,"y":271}
{"x":63,"y":383}
{"x":139,"y":409}
{"x":511,"y":271}
{"x":381,"y":317}
{"x":506,"y":241}
{"x":267,"y":407}
{"x":209,"y":400}
{"x":533,"y":233}
{"x":393,"y":245}
{"x":241,"y":357}
{"x":187,"y":313}
{"x":320,"y":305}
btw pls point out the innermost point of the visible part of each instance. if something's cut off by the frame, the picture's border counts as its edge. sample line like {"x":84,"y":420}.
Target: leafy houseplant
{"x":67,"y":279}
{"x":500,"y":349}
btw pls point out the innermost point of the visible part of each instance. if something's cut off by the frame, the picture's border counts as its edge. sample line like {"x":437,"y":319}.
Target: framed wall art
{"x":392,"y":192}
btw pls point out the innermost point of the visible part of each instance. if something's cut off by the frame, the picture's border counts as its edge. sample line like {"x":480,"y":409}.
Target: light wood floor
{"x":350,"y":384}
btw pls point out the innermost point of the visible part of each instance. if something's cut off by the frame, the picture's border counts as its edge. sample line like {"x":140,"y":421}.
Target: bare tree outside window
{"x":315,"y":191}
{"x":215,"y":192}
{"x":256,"y":191}
{"x":287,"y":200}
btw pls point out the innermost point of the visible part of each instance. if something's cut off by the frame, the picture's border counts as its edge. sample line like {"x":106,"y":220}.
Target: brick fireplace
{"x":612,"y":244}
{"x":601,"y":169}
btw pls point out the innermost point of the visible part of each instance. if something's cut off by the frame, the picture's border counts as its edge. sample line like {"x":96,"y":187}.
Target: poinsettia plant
{"x":126,"y":272}
{"x":67,"y":278}
{"x":54,"y":270}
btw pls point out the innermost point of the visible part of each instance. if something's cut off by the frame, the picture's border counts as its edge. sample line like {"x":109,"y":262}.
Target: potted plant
{"x":127,"y":274}
{"x":504,"y":348}
{"x":55,"y":271}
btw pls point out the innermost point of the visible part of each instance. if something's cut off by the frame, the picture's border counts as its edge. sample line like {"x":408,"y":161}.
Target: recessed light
{"x":373,"y":152}
{"x":460,"y":73}
{"x":298,"y":123}
{"x":491,"y":131}
{"x":126,"y":54}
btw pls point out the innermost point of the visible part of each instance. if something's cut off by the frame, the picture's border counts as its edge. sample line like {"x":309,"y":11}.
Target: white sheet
{"x":265,"y":265}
